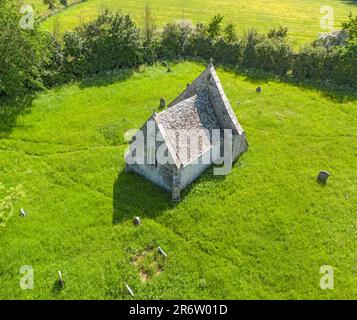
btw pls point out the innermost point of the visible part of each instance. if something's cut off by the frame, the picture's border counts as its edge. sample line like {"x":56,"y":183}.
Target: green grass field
{"x":41,"y":8}
{"x":263,"y":231}
{"x":302,"y":17}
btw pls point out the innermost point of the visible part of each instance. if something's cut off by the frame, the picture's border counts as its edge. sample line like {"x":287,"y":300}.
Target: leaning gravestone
{"x":130,"y":291}
{"x":162,"y":103}
{"x":22,"y":213}
{"x":60,"y":280}
{"x":322,"y":177}
{"x":137,"y":221}
{"x":162,"y":252}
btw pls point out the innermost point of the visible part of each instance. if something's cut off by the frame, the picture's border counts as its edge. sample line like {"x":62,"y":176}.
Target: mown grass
{"x":302,"y":17}
{"x":263,"y":231}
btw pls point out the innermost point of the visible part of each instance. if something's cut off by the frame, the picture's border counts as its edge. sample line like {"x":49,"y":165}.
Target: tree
{"x":112,"y":41}
{"x":64,"y":3}
{"x":351,"y":26}
{"x":281,"y":32}
{"x":215,"y":26}
{"x":149,"y":25}
{"x":175,"y":39}
{"x":24,"y":54}
{"x":150,"y":40}
{"x":230,"y":34}
{"x":50,"y":3}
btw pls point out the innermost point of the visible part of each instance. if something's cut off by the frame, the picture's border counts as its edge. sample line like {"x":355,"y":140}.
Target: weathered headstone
{"x":22,"y":213}
{"x":60,"y":279}
{"x":137,"y":221}
{"x":162,"y":252}
{"x":162,"y":103}
{"x":130,"y":291}
{"x":322,"y":177}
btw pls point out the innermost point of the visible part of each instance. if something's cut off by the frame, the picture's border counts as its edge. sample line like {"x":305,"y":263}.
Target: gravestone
{"x":162,"y":252}
{"x":22,"y":213}
{"x":162,"y":103}
{"x":60,"y":279}
{"x":137,"y":221}
{"x":322,"y":177}
{"x":130,"y":291}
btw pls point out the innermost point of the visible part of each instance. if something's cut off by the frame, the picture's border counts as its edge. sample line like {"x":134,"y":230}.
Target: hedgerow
{"x":110,"y":42}
{"x":32,"y":60}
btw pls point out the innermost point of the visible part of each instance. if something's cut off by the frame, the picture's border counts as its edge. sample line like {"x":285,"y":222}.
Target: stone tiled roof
{"x":184,"y":127}
{"x":200,"y":83}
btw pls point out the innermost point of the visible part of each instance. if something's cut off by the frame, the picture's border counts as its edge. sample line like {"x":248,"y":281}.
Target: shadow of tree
{"x":106,"y":78}
{"x":339,"y":95}
{"x":10,"y":109}
{"x":135,"y":196}
{"x":56,"y":288}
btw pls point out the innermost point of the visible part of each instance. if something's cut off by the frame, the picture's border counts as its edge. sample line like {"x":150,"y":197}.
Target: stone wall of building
{"x":161,"y":175}
{"x":191,"y":172}
{"x":240,"y":145}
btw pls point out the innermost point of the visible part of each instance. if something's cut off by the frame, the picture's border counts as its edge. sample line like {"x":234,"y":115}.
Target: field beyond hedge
{"x":263,"y":231}
{"x":302,"y":17}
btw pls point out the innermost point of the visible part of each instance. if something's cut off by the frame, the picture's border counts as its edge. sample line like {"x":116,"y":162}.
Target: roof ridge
{"x":176,"y":104}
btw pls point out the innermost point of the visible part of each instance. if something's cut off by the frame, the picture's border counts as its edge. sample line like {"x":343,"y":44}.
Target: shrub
{"x":308,"y":64}
{"x":281,"y":32}
{"x":252,"y":38}
{"x":110,"y":42}
{"x":150,"y":36}
{"x":214,"y":27}
{"x":229,"y":53}
{"x":24,"y":54}
{"x":230,"y":34}
{"x":340,"y":65}
{"x":273,"y":55}
{"x":337,"y":66}
{"x":351,"y":26}
{"x":175,"y":39}
{"x":64,"y":3}
{"x":332,"y":39}
{"x":55,"y":73}
{"x":267,"y":53}
{"x":50,"y":3}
